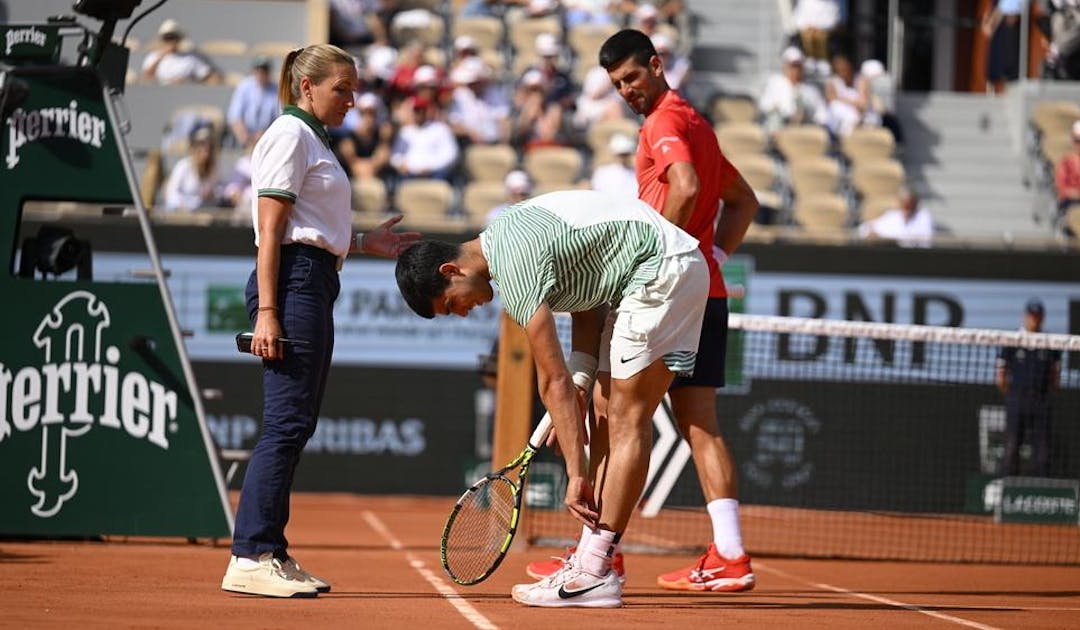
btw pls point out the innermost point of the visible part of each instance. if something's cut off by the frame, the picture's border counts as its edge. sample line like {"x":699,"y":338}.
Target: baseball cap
{"x":420,"y":102}
{"x":464,"y":42}
{"x":646,"y":11}
{"x":792,"y":54}
{"x":540,"y":6}
{"x":469,"y":71}
{"x":425,"y":75}
{"x":547,"y":45}
{"x":367,"y":100}
{"x":170,"y":28}
{"x":872,"y":69}
{"x":662,"y":43}
{"x":518,"y":182}
{"x":1034,"y":306}
{"x":532,"y":78}
{"x":621,"y":144}
{"x":262,"y":61}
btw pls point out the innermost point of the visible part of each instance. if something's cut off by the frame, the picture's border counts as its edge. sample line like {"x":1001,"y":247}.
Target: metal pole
{"x":894,"y":50}
{"x":1025,"y":13}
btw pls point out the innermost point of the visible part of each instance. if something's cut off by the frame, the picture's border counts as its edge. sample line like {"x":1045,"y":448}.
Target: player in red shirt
{"x":683,"y":174}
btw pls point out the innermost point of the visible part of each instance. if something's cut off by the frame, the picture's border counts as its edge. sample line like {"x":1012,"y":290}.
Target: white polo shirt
{"x":293,"y":161}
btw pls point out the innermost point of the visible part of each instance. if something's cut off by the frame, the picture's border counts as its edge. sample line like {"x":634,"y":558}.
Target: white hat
{"x":469,"y":71}
{"x":381,"y":61}
{"x":621,"y":144}
{"x":464,"y":42}
{"x":367,"y":100}
{"x":547,"y":45}
{"x":792,"y":54}
{"x":1076,"y":129}
{"x":596,"y":83}
{"x":170,"y":27}
{"x":540,"y":6}
{"x":518,"y":182}
{"x":425,"y":75}
{"x":662,"y":43}
{"x":872,"y":69}
{"x":532,"y":78}
{"x":646,"y":11}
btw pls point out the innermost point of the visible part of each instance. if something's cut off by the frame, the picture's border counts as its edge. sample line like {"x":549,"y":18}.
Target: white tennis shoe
{"x":268,"y":576}
{"x":571,"y":587}
{"x":293,"y":566}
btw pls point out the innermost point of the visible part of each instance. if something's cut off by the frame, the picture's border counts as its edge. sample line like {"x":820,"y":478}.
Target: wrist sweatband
{"x":582,"y":369}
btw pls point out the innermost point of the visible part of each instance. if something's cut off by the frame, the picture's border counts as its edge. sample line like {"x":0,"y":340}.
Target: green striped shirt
{"x":576,"y":250}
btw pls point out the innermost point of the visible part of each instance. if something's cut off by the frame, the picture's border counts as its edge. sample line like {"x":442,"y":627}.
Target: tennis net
{"x":862,"y":440}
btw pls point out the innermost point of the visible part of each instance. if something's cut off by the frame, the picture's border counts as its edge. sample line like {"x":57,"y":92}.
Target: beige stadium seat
{"x":274,"y":49}
{"x":1053,"y":148}
{"x":757,"y":169}
{"x":429,"y":32}
{"x":814,"y":175}
{"x":487,"y":31}
{"x":1054,"y":118}
{"x":880,"y":177}
{"x":586,"y":39}
{"x":479,"y":198}
{"x":489,"y":162}
{"x":821,"y":213}
{"x":868,"y":143}
{"x":207,"y":113}
{"x":223,"y":47}
{"x":425,"y":204}
{"x":553,"y":165}
{"x":369,"y":196}
{"x":733,"y":109}
{"x":600,"y":132}
{"x":1071,"y":221}
{"x":797,"y":141}
{"x":524,"y":31}
{"x":873,"y":207}
{"x":738,"y":138}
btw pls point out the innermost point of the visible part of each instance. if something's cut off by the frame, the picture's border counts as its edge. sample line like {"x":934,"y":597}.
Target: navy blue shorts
{"x":712,"y":348}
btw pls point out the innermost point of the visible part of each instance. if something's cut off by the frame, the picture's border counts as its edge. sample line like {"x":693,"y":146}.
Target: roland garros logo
{"x":77,"y":387}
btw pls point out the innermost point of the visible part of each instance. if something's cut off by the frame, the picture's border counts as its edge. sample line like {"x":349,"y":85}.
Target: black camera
{"x":106,"y":9}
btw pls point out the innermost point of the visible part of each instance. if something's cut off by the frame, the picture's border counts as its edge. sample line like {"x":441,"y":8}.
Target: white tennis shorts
{"x":659,"y":320}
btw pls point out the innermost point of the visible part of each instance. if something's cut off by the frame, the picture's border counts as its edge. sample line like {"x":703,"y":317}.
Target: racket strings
{"x":475,"y":538}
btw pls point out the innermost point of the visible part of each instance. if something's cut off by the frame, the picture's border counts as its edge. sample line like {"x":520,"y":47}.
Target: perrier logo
{"x":77,"y":386}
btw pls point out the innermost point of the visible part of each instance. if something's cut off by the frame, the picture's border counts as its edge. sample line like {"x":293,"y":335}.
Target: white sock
{"x":587,"y":531}
{"x":246,"y":563}
{"x":595,"y":552}
{"x":727,"y":536}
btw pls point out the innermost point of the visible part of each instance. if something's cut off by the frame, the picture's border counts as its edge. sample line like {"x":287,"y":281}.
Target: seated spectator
{"x":173,"y":61}
{"x":236,"y":192}
{"x":1063,"y":31}
{"x":363,"y":141}
{"x":465,"y":48}
{"x":541,"y":8}
{"x":1067,"y":174}
{"x":425,"y":147}
{"x":519,"y":187}
{"x":676,"y":66}
{"x":597,"y":101}
{"x":788,"y":99}
{"x":536,"y":121}
{"x":254,"y":104}
{"x":193,"y":182}
{"x":647,"y":18}
{"x":910,"y":225}
{"x":579,"y":12}
{"x":880,"y":93}
{"x":558,"y":86}
{"x":409,"y":59}
{"x":479,"y":109}
{"x":674,"y":13}
{"x":816,"y":20}
{"x":356,"y":23}
{"x":489,"y":8}
{"x":618,"y":177}
{"x":847,"y":102}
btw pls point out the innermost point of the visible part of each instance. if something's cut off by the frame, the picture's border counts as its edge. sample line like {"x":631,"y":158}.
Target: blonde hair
{"x":314,"y":62}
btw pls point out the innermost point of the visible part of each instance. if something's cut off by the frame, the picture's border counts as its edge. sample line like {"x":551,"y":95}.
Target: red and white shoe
{"x":545,"y":568}
{"x":712,"y":572}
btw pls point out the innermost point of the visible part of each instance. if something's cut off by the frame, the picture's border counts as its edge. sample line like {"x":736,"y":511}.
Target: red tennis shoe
{"x":712,"y":572}
{"x":543,"y":568}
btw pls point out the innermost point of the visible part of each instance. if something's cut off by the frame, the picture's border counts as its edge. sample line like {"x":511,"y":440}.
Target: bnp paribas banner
{"x":100,"y":432}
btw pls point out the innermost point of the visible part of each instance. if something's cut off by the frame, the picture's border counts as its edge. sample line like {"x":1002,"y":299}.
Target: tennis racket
{"x":482,"y":524}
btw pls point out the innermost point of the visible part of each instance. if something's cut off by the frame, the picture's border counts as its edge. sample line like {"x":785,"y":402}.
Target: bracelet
{"x":267,"y":308}
{"x":358,"y":240}
{"x":582,"y":369}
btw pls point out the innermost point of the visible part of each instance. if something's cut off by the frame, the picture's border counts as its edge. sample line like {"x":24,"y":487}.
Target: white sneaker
{"x":571,"y":586}
{"x":268,"y":577}
{"x":292,"y":566}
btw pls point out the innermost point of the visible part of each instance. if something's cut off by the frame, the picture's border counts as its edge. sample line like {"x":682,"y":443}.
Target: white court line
{"x":466,"y":609}
{"x":880,"y":600}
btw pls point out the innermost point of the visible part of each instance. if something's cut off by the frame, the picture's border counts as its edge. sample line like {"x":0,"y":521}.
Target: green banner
{"x":1036,"y":500}
{"x":99,"y":430}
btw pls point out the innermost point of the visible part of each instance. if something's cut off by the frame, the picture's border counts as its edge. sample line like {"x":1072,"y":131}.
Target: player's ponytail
{"x":285,"y":88}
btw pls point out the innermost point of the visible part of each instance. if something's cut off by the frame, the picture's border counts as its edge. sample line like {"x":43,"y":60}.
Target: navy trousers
{"x":293,"y":387}
{"x":1027,"y":418}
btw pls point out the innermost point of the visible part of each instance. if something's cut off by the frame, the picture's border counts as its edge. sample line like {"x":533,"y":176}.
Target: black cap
{"x":1034,"y":306}
{"x":262,"y":61}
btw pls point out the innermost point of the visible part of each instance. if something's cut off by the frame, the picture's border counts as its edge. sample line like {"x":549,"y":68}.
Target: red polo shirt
{"x":675,"y":132}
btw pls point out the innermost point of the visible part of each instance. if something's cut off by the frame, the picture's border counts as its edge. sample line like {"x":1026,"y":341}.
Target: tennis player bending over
{"x":582,"y":252}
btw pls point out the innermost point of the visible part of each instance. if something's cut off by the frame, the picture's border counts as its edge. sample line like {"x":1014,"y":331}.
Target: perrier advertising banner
{"x":99,"y":431}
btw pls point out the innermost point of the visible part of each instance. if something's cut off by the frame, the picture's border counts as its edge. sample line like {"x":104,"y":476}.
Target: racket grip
{"x":539,"y":435}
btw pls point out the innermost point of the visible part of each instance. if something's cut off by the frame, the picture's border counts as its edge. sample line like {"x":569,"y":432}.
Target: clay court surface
{"x":381,"y":555}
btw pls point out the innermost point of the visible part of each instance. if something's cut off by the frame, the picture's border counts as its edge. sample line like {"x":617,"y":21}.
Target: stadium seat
{"x":223,"y":47}
{"x":586,"y":39}
{"x":524,"y":31}
{"x":273,"y":49}
{"x":825,"y":212}
{"x":1071,"y":221}
{"x":814,"y":175}
{"x":878,"y":177}
{"x":187,"y":117}
{"x":405,"y":28}
{"x":873,"y":207}
{"x":553,"y":165}
{"x":738,"y":138}
{"x":487,"y":31}
{"x":599,"y":133}
{"x":733,"y":109}
{"x":489,"y":162}
{"x":1054,"y":118}
{"x":1053,"y":148}
{"x":798,"y":141}
{"x":369,"y":196}
{"x":425,"y":204}
{"x":758,"y":169}
{"x":868,"y":143}
{"x":479,"y":198}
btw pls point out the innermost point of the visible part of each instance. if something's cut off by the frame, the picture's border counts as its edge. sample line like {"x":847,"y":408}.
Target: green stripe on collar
{"x":311,"y":121}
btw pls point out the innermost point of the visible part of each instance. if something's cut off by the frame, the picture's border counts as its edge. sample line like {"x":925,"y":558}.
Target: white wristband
{"x":582,"y":369}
